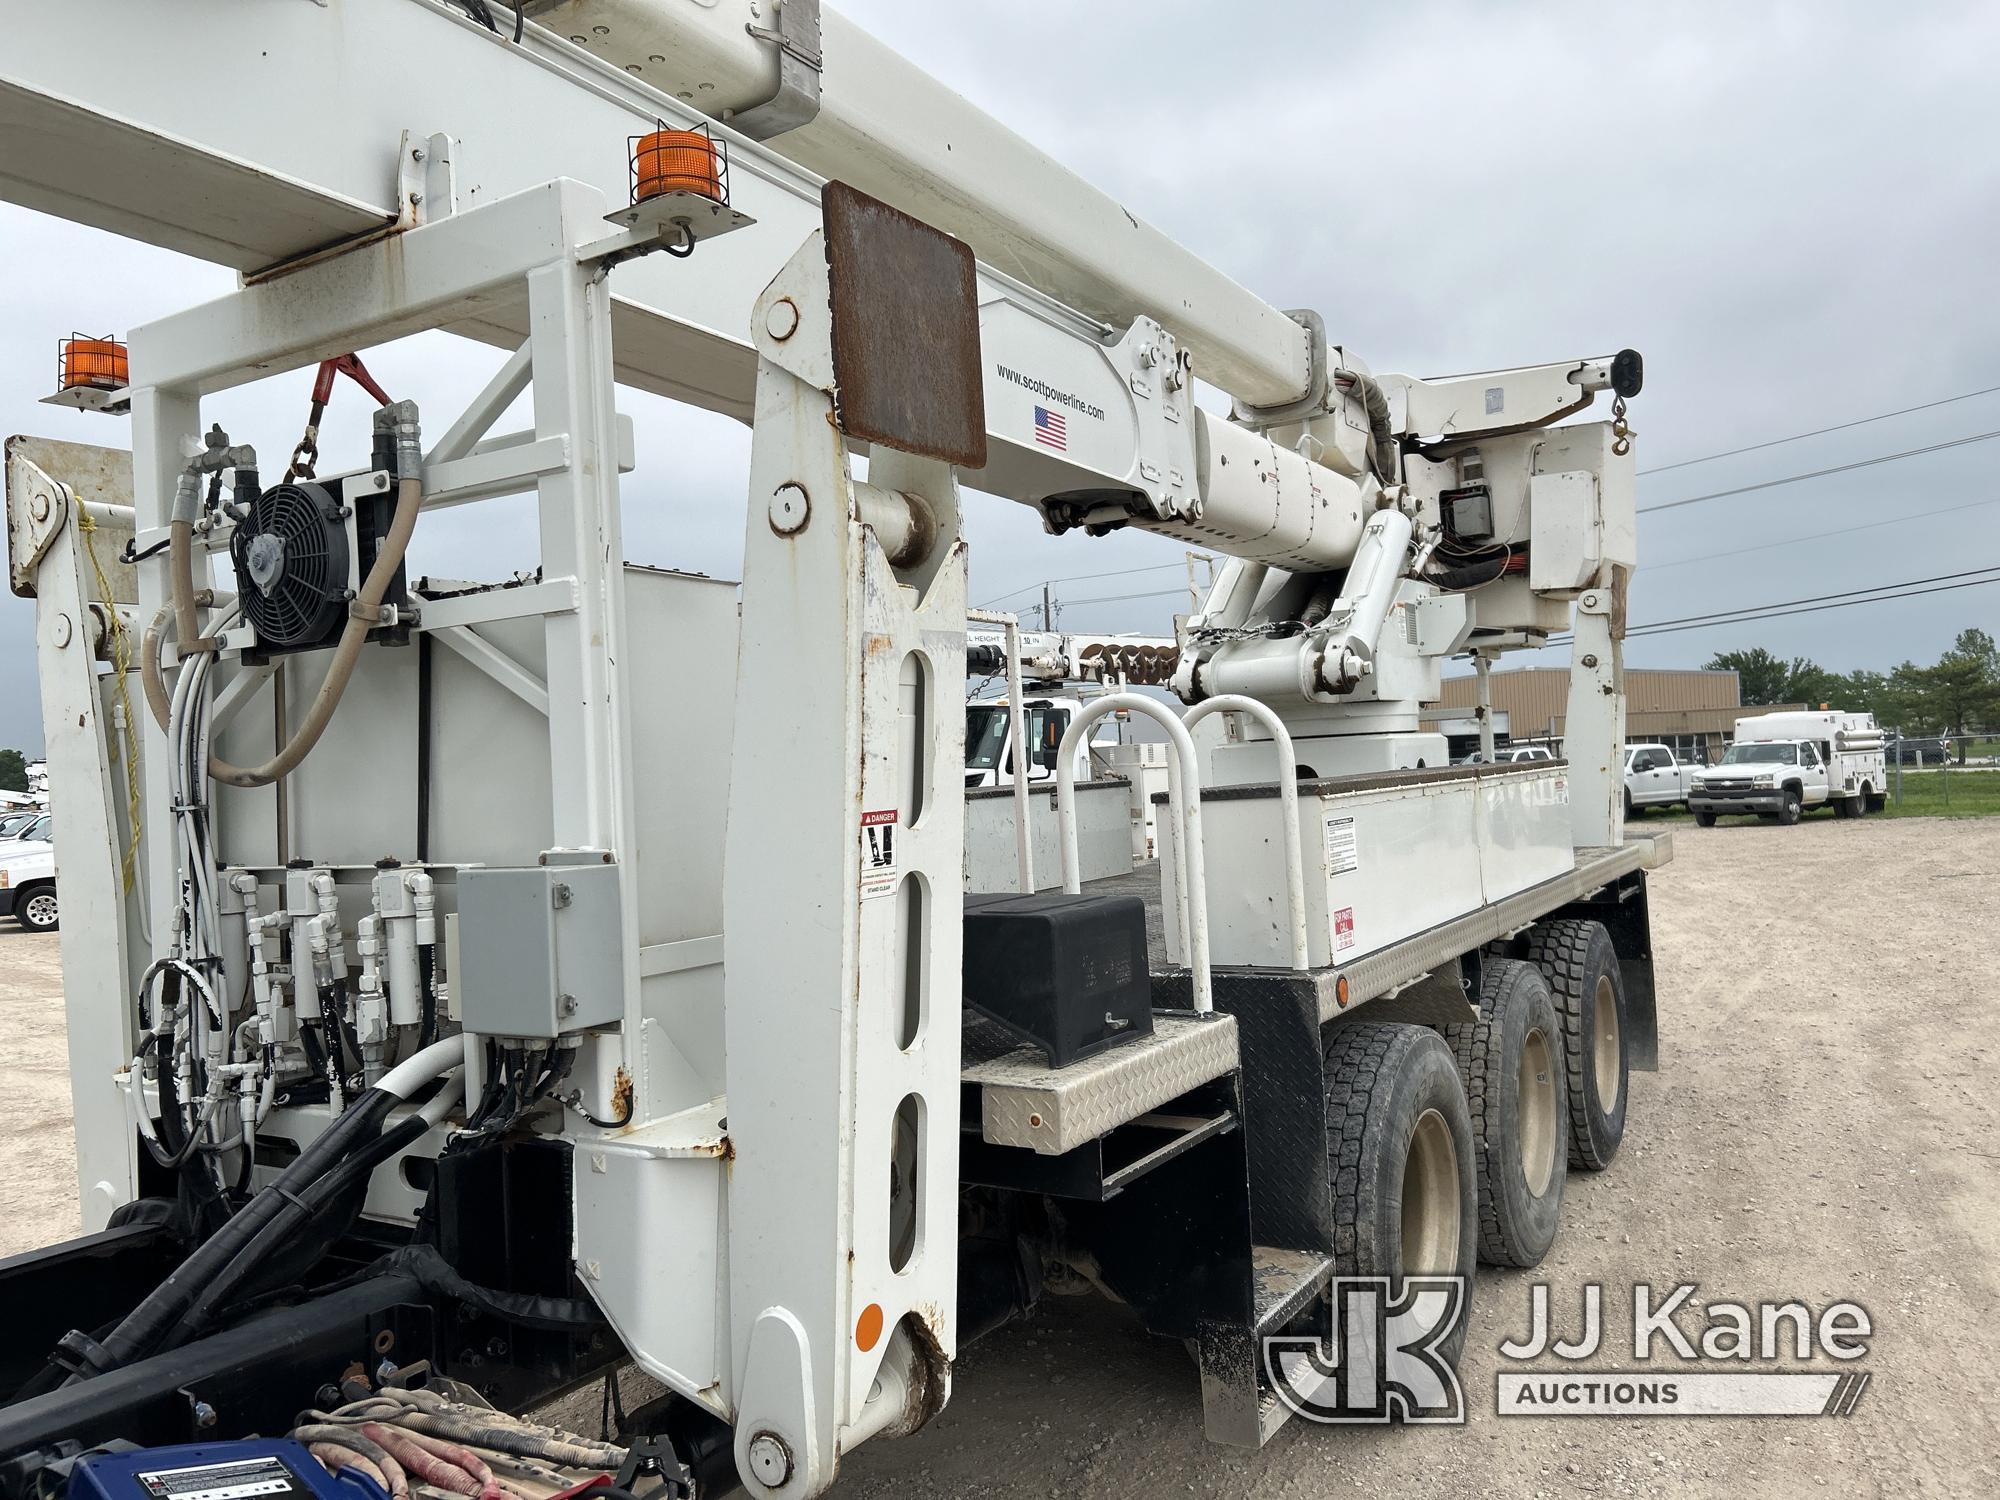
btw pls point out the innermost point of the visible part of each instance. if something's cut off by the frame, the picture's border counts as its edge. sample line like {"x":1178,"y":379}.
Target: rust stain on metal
{"x":930,"y":1375}
{"x":905,"y":331}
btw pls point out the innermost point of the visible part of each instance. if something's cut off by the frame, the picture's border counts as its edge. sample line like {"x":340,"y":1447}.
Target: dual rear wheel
{"x":1450,"y":1146}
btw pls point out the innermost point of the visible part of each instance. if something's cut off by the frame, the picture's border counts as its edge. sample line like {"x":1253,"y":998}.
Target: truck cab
{"x":1775,"y":779}
{"x":1044,"y":721}
{"x":1654,"y":777}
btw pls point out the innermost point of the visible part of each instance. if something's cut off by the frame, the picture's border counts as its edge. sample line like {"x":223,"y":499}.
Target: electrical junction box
{"x":540,"y":948}
{"x":1468,"y":513}
{"x":249,"y":1470}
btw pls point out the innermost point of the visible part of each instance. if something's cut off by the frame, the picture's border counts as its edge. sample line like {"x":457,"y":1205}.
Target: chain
{"x":305,"y":457}
{"x":1621,"y":430}
{"x":1219,"y":635}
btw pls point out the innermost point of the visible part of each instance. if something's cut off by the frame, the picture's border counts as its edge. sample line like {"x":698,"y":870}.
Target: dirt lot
{"x":1826,"y":1127}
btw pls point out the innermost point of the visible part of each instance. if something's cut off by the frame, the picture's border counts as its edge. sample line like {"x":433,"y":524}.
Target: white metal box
{"x":1386,"y":856}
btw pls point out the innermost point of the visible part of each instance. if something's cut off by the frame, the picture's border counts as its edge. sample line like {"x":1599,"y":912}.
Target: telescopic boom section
{"x":890,"y":129}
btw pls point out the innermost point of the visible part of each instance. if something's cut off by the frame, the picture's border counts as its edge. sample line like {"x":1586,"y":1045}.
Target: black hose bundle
{"x":1468,"y":575}
{"x":143,"y":1329}
{"x":298,"y":1236}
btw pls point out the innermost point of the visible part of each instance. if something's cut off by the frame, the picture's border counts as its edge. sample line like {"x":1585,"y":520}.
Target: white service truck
{"x":1780,"y":765}
{"x":506,"y":982}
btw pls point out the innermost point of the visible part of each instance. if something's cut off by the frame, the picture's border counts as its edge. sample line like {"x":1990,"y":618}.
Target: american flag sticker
{"x":1051,"y":429}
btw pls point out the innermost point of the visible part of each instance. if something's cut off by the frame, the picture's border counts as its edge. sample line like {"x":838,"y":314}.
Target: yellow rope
{"x":121,"y":662}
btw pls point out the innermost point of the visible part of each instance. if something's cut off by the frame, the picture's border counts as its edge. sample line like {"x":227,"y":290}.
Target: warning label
{"x":226,"y":1481}
{"x":1343,"y":928}
{"x":878,"y":853}
{"x":1343,"y":852}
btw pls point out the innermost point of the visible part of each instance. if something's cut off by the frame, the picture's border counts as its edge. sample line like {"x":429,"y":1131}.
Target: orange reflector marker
{"x":100,"y":363}
{"x":1340,"y":991}
{"x":675,"y":161}
{"x":869,"y":1329}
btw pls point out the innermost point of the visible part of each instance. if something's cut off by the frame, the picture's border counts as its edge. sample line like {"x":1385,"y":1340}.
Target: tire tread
{"x":1561,"y":950}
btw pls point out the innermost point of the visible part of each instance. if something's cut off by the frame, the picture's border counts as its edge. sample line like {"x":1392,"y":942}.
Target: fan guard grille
{"x":291,"y":556}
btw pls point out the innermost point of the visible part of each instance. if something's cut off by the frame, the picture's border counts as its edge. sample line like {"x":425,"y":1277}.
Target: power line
{"x":1902,"y":411}
{"x":1085,"y":577}
{"x":1815,"y":598}
{"x":1814,"y":609}
{"x":1808,"y":605}
{"x":1817,"y":536}
{"x":1117,"y":598}
{"x":1861,"y":463}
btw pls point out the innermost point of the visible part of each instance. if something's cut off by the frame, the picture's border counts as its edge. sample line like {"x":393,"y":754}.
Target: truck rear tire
{"x":1851,"y":807}
{"x":1511,"y":1062}
{"x":1578,"y":960}
{"x":1401,"y":1154}
{"x":35,"y":907}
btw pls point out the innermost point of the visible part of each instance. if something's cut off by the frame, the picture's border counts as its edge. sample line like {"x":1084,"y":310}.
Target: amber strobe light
{"x":100,"y":363}
{"x":675,"y":161}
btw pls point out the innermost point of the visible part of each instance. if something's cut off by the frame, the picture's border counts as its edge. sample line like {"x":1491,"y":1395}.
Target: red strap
{"x":349,"y":365}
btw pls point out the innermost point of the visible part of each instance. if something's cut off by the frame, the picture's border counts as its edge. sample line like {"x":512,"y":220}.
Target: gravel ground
{"x":1824,"y":1128}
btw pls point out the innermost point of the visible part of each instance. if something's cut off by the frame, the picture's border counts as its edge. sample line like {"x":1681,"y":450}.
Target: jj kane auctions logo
{"x":1384,"y":1357}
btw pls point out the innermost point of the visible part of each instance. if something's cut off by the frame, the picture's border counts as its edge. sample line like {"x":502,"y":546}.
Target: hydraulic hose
{"x":307,"y":1215}
{"x":149,"y":1322}
{"x":1382,"y":432}
{"x":1468,"y":575}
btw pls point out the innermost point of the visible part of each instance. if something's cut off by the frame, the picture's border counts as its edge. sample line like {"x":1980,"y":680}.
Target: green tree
{"x":1763,"y":678}
{"x":1963,"y":688}
{"x":13,"y":771}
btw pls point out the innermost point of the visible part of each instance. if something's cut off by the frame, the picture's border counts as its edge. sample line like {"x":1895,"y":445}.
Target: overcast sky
{"x":1792,"y":210}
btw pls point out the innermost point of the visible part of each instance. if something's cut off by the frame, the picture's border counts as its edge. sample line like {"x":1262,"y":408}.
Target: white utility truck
{"x":1655,"y":777}
{"x":1782,"y":764}
{"x":1042,"y":670}
{"x":1047,"y":667}
{"x":502,"y":982}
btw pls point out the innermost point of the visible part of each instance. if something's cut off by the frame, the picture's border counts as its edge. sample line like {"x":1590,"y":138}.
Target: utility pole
{"x":1048,"y":614}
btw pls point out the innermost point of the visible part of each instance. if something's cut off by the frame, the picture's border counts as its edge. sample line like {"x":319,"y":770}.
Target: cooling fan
{"x":293,"y":566}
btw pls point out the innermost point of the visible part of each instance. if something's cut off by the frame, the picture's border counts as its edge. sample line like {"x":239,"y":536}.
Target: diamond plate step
{"x":1025,"y":1102}
{"x":1284,"y":1283}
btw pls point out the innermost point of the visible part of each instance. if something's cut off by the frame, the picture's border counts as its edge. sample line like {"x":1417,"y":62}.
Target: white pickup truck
{"x":1655,"y":777}
{"x":1784,"y":763}
{"x":28,"y":875}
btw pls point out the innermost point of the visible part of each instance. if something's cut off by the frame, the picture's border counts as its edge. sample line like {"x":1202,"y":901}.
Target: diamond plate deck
{"x":1025,"y":1102}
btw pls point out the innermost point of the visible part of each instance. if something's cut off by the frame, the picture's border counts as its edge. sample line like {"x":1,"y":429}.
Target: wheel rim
{"x":42,"y":909}
{"x":1430,"y":1199}
{"x":1536,"y":1090}
{"x":1604,"y":1049}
